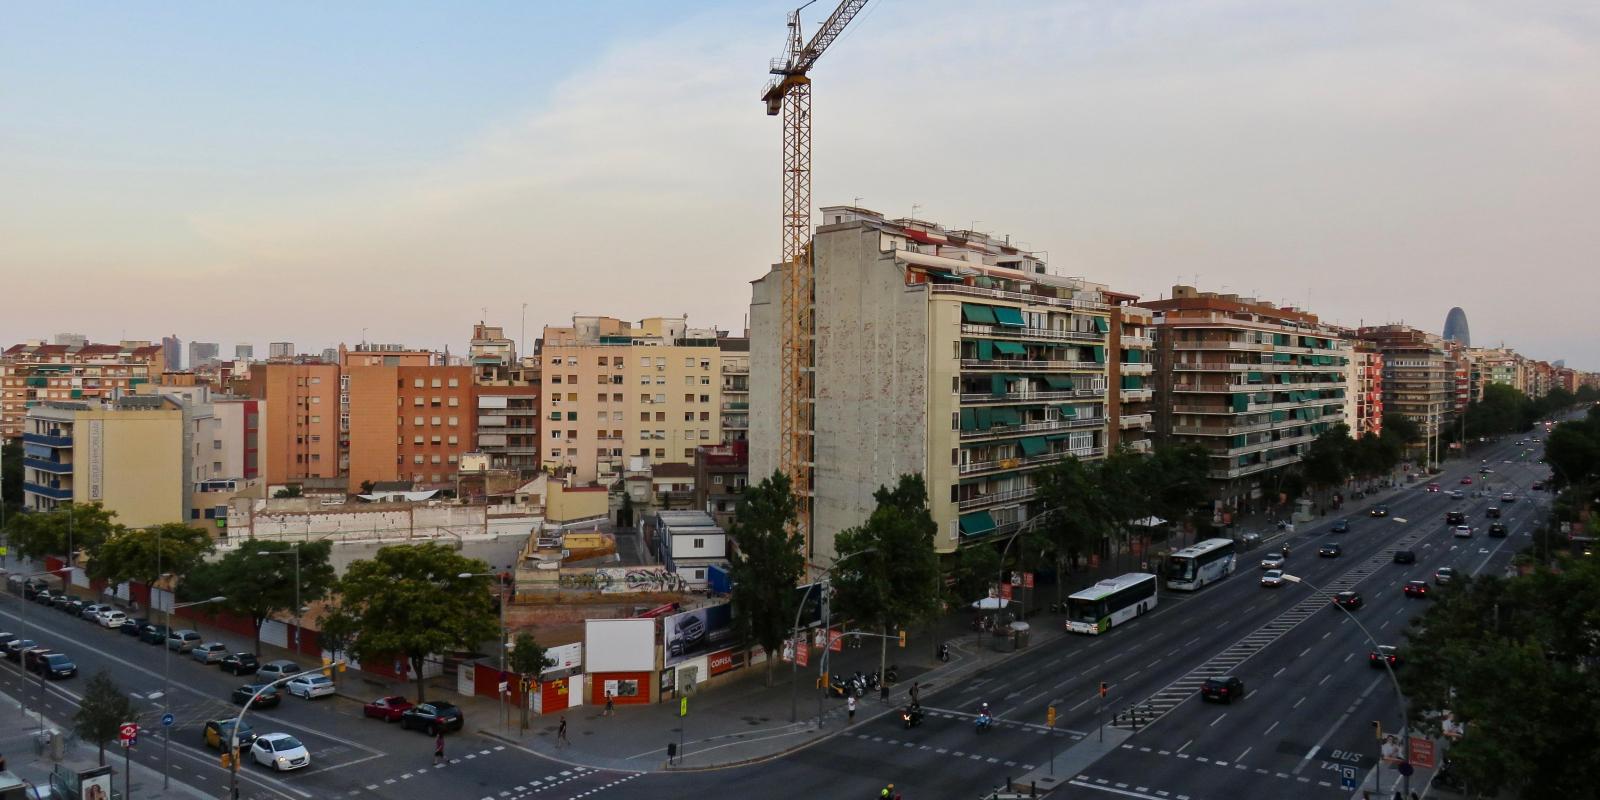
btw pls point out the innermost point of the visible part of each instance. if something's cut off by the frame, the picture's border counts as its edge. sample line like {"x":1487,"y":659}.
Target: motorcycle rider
{"x":944,"y":652}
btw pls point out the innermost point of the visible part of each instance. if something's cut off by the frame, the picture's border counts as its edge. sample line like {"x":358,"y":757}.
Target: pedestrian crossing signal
{"x":227,"y":761}
{"x":902,"y":640}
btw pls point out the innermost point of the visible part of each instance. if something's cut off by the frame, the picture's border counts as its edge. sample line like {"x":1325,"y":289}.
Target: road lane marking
{"x":1268,"y":731}
{"x":1218,"y":719}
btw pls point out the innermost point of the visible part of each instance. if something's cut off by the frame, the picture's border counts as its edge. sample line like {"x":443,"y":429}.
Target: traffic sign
{"x":167,"y":719}
{"x":128,"y":730}
{"x":683,"y":706}
{"x":1347,"y":777}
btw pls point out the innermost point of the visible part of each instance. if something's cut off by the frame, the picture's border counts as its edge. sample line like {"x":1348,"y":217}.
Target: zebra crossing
{"x":1228,"y":661}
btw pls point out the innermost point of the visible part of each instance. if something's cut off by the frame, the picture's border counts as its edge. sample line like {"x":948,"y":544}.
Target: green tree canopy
{"x":528,"y":657}
{"x":410,"y":601}
{"x":1078,"y":518}
{"x":1177,"y":475}
{"x":1573,"y":450}
{"x":103,"y":710}
{"x":897,"y":582}
{"x":258,"y":579}
{"x":145,"y":554}
{"x":1503,"y":409}
{"x":1401,"y":428}
{"x":765,"y":565}
{"x":1327,"y":462}
{"x":48,"y":533}
{"x":11,"y":476}
{"x":976,"y":568}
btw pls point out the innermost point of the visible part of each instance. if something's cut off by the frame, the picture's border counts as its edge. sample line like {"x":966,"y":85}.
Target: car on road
{"x":1379,"y":511}
{"x":1347,"y":599}
{"x":209,"y":653}
{"x":1492,"y":512}
{"x":1462,"y":532}
{"x":153,"y":633}
{"x":280,"y":751}
{"x":1222,"y":690}
{"x":1341,"y":526}
{"x":1507,"y":497}
{"x":221,"y":730}
{"x":34,"y":656}
{"x":433,"y":717}
{"x":268,"y":698}
{"x":93,"y":611}
{"x":1432,"y":487}
{"x":1484,"y":470}
{"x":1455,"y":517}
{"x":1537,"y":486}
{"x":1457,"y":494}
{"x":273,"y":670}
{"x":112,"y":619}
{"x":16,"y":647}
{"x":387,"y":709}
{"x":1272,"y":577}
{"x":1444,"y":575}
{"x":183,"y":640}
{"x":1405,"y":557}
{"x":311,"y":686}
{"x":1497,"y":530}
{"x":1385,"y":652}
{"x":1466,"y":480}
{"x":1272,"y":560}
{"x":6,"y":637}
{"x":132,"y":625}
{"x":1416,"y":589}
{"x":55,"y":666}
{"x":240,"y":663}
{"x":1330,"y":550}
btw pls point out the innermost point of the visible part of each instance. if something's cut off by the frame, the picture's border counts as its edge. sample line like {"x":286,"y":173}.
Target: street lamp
{"x":298,"y":610}
{"x":503,"y":633}
{"x":166,"y":693}
{"x":1405,"y":721}
{"x":233,"y":735}
{"x":794,"y":663}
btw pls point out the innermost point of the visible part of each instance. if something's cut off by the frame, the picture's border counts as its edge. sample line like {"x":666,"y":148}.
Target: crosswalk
{"x":1228,"y":661}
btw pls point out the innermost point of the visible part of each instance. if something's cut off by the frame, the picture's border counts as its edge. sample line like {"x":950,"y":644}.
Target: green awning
{"x":1133,"y":356}
{"x":976,"y":523}
{"x":1254,"y":377}
{"x":1282,"y":358}
{"x":969,"y":419}
{"x":1010,"y":349}
{"x":1102,"y":324}
{"x":1284,"y":377}
{"x":1067,"y":412}
{"x":985,"y":350}
{"x":1241,"y":403}
{"x":1099,"y":353}
{"x":1035,"y":446}
{"x":1060,"y":382}
{"x":1263,"y":397}
{"x":1133,"y":382}
{"x":977,"y":314}
{"x":1005,"y":315}
{"x":1058,"y":437}
{"x":997,"y":384}
{"x":1004,"y":416}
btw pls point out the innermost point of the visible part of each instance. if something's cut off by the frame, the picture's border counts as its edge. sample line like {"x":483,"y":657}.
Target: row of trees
{"x":1504,"y":409}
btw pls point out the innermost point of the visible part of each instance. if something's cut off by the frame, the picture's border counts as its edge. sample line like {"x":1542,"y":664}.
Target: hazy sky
{"x":307,"y":171}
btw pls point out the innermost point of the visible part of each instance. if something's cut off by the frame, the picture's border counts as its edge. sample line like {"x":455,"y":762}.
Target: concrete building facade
{"x":735,"y":388}
{"x":127,"y":455}
{"x":202,"y":354}
{"x":277,"y":350}
{"x":508,"y":425}
{"x":35,"y":372}
{"x":1419,"y":380}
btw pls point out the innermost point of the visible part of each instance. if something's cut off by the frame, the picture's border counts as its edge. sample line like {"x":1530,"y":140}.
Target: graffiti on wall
{"x":625,"y":580}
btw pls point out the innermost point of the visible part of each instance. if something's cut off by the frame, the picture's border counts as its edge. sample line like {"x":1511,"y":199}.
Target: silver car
{"x":209,"y":653}
{"x":1273,"y":560}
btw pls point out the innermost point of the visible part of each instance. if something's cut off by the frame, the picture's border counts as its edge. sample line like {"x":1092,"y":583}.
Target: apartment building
{"x":35,"y":372}
{"x":721,"y":473}
{"x":1250,"y":382}
{"x":1130,"y":376}
{"x":202,"y":354}
{"x":409,"y":423}
{"x":508,"y":425}
{"x":948,"y":353}
{"x":302,"y":421}
{"x":1419,"y":380}
{"x":618,"y":396}
{"x":127,"y":454}
{"x":1366,"y":388}
{"x":382,"y":355}
{"x":172,"y":352}
{"x":735,"y":387}
{"x":244,"y":353}
{"x":280,"y":350}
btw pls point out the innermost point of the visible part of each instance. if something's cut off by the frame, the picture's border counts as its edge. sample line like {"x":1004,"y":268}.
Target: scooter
{"x":944,"y":652}
{"x":892,"y":676}
{"x":911,"y":717}
{"x":872,"y":681}
{"x":985,"y":722}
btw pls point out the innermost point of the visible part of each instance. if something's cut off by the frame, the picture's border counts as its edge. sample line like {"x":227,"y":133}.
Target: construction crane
{"x":790,"y":94}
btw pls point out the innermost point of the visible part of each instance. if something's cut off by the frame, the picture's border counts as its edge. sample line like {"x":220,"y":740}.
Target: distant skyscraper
{"x":71,"y":339}
{"x":330,"y":355}
{"x":1455,"y":327}
{"x":243,"y":352}
{"x":280,"y":350}
{"x":172,"y":351}
{"x":202,"y":353}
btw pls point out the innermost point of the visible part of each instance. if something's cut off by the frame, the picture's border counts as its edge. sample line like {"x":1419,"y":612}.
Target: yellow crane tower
{"x":790,"y":93}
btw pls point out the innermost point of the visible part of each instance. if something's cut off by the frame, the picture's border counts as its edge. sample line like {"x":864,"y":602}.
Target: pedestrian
{"x":561,"y":732}
{"x":438,"y":747}
{"x":2,"y":762}
{"x":850,"y":705}
{"x":913,"y":693}
{"x":609,"y":704}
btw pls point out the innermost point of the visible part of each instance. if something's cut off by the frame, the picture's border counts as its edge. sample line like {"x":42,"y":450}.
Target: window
{"x":454,"y":401}
{"x":555,"y":434}
{"x":688,"y":434}
{"x":705,"y":398}
{"x":661,"y":452}
{"x":705,"y":380}
{"x":688,"y":452}
{"x":416,"y":401}
{"x":688,"y":380}
{"x":417,"y":459}
{"x":416,"y":440}
{"x":661,"y":398}
{"x":602,"y":361}
{"x":316,"y":400}
{"x":661,"y":363}
{"x":661,"y":380}
{"x":699,"y":543}
{"x":436,"y":402}
{"x":556,"y":361}
{"x":315,"y":380}
{"x":705,"y":363}
{"x":435,"y":441}
{"x":644,"y":380}
{"x":316,"y":420}
{"x":453,"y":440}
{"x":572,"y":379}
{"x":600,"y":398}
{"x":451,"y":458}
{"x":716,"y":479}
{"x":555,"y":378}
{"x":616,"y":416}
{"x":435,"y":421}
{"x":437,"y":383}
{"x":644,"y":416}
{"x":661,"y":416}
{"x":616,"y":398}
{"x":571,"y":434}
{"x":688,"y":416}
{"x":704,"y":434}
{"x":688,"y":398}
{"x":572,"y":396}
{"x":455,"y":383}
{"x":416,"y":383}
{"x":644,"y":398}
{"x":705,"y":416}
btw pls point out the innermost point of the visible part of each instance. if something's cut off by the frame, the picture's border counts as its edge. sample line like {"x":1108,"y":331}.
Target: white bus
{"x":1110,"y":602}
{"x":1200,"y":563}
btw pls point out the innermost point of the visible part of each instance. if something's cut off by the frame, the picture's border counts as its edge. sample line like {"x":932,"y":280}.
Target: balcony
{"x":48,"y":440}
{"x":1229,"y":430}
{"x":1138,"y":368}
{"x":1135,"y":395}
{"x":1047,"y":334}
{"x":53,"y":492}
{"x":45,"y":465}
{"x":1134,"y":421}
{"x":981,"y":501}
{"x":1139,"y":446}
{"x":1013,"y":365}
{"x":1268,"y":445}
{"x":1274,"y":367}
{"x":1251,"y":469}
{"x":1001,"y":294}
{"x":985,"y":398}
{"x":1033,"y":427}
{"x":1005,"y":464}
{"x":1179,"y":344}
{"x":1137,"y":342}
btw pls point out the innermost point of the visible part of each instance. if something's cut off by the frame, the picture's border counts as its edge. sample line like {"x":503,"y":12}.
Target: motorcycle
{"x":892,"y":676}
{"x":838,"y":686}
{"x":985,"y":722}
{"x":872,"y":681}
{"x":944,"y":652}
{"x":911,"y":717}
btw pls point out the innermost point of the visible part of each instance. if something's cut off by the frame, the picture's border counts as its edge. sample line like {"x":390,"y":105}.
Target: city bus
{"x":1110,"y":602}
{"x":1199,"y":564}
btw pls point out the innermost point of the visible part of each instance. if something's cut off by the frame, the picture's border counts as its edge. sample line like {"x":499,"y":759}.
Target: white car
{"x":1272,"y":577}
{"x":112,"y":618}
{"x":1463,"y":532}
{"x":309,"y":686}
{"x":280,"y":751}
{"x":1273,"y":560}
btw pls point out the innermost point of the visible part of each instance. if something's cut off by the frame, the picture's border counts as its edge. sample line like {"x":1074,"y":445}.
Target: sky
{"x":393,"y":172}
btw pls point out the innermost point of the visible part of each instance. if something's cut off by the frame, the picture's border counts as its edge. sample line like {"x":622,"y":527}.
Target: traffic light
{"x":227,"y":761}
{"x":902,"y":639}
{"x":327,"y":667}
{"x":1377,"y":730}
{"x":1104,"y":687}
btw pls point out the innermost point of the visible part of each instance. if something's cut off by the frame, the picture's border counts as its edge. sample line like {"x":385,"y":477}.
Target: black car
{"x":6,"y":637}
{"x":1348,"y":599}
{"x":1385,"y":652}
{"x":55,"y":666}
{"x":16,"y":647}
{"x":240,"y":663}
{"x":1222,"y":690}
{"x":153,"y":633}
{"x":1497,"y":530}
{"x":1405,"y":557}
{"x":1492,"y":512}
{"x":133,"y":625}
{"x":1341,"y":526}
{"x":44,"y":597}
{"x":1455,"y":517}
{"x":268,"y":698}
{"x":433,"y":717}
{"x":1379,"y":511}
{"x":1330,"y":550}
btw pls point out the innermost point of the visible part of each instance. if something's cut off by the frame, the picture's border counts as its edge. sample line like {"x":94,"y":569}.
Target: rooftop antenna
{"x":915,"y":207}
{"x":856,"y":203}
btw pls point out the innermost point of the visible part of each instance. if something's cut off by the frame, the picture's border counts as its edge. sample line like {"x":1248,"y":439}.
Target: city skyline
{"x":1313,"y":157}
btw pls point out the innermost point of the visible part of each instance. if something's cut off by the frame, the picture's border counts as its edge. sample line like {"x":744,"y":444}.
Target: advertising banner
{"x":720,"y":662}
{"x":696,"y":632}
{"x":566,"y":656}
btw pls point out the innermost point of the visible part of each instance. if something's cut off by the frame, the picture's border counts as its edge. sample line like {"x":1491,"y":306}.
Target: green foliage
{"x":1079,"y":518}
{"x":1573,"y":450}
{"x":1330,"y":459}
{"x":1401,"y":429}
{"x":11,"y":476}
{"x":765,"y":565}
{"x":898,"y":582}
{"x":1373,"y":455}
{"x":257,"y":582}
{"x":86,"y":527}
{"x":976,"y":569}
{"x":292,"y":490}
{"x":528,"y":657}
{"x":144,"y":554}
{"x":1513,"y":660}
{"x":409,"y":600}
{"x":1177,"y":476}
{"x":1502,"y":410}
{"x":103,"y":710}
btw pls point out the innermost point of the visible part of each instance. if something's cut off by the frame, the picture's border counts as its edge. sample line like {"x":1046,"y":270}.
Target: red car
{"x":387,"y":709}
{"x":1433,"y":487}
{"x":1466,"y":481}
{"x":1416,"y":589}
{"x":1385,"y":652}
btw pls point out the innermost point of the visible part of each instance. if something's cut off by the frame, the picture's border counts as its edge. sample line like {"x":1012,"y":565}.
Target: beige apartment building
{"x":618,"y":396}
{"x":127,"y":455}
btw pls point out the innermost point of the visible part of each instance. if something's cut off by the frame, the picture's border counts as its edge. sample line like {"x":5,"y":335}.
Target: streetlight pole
{"x":233,"y":734}
{"x":1405,"y":718}
{"x":794,"y":663}
{"x":505,"y":711}
{"x":298,"y":610}
{"x":166,"y":693}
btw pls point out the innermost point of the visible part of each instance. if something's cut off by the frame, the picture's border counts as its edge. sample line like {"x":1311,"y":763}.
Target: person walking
{"x":438,"y":747}
{"x":850,"y":706}
{"x":561,"y":733}
{"x":609,"y":705}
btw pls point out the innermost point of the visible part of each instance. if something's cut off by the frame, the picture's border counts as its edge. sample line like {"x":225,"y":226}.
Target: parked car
{"x":1416,"y":589}
{"x":1341,"y":526}
{"x":267,"y":699}
{"x":71,"y":605}
{"x":55,"y":666}
{"x":131,"y":626}
{"x":153,"y":633}
{"x":112,"y":619}
{"x":1272,"y":577}
{"x":209,"y":653}
{"x":218,"y":731}
{"x":273,"y":670}
{"x":311,"y":686}
{"x":240,"y":663}
{"x":1405,"y":557}
{"x":1385,"y":652}
{"x":16,"y":647}
{"x":92,"y":611}
{"x":1330,"y":550}
{"x":280,"y":751}
{"x":433,"y":717}
{"x":1272,"y":560}
{"x":1379,"y":511}
{"x":387,"y":709}
{"x":1497,"y":530}
{"x":1222,"y":690}
{"x":34,"y":656}
{"x":183,"y":640}
{"x":1444,"y":575}
{"x":1348,"y":599}
{"x":44,"y":597}
{"x":6,"y":637}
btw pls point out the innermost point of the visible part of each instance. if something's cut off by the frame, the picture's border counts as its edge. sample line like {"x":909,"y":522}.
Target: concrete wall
{"x":388,"y":521}
{"x":568,"y":505}
{"x":132,"y":462}
{"x":766,"y":320}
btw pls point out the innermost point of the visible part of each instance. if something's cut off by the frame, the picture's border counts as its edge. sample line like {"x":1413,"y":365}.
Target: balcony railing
{"x":1137,"y":394}
{"x":976,"y":467}
{"x":53,"y":492}
{"x":46,"y":465}
{"x":1251,"y":469}
{"x":1137,"y":341}
{"x":1228,"y":366}
{"x":1134,"y":420}
{"x":1014,"y":364}
{"x":1138,"y":368}
{"x":1001,"y":294}
{"x":47,"y":440}
{"x":1015,"y":495}
{"x":1013,"y":332}
{"x":1033,"y":427}
{"x":985,"y":398}
{"x":1140,"y":446}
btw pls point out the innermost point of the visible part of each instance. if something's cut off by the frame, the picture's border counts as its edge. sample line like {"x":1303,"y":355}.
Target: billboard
{"x":697,"y":632}
{"x":620,"y":645}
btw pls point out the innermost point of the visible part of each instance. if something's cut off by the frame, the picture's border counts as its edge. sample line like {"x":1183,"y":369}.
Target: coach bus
{"x":1111,"y":602}
{"x":1199,"y":564}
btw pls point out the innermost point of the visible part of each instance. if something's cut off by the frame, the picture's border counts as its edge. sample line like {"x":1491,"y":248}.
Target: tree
{"x":1502,"y":410}
{"x":80,"y":527}
{"x":11,"y":476}
{"x":976,"y":569}
{"x":1520,"y":733}
{"x":292,"y":490}
{"x":765,"y":565}
{"x":410,"y":601}
{"x":1373,"y":456}
{"x":1327,"y":462}
{"x":897,"y":582}
{"x":1401,"y":429}
{"x":257,"y":582}
{"x":103,"y":710}
{"x":1573,"y":450}
{"x":1177,"y":475}
{"x":1125,"y":495}
{"x":528,"y":659}
{"x":1070,"y":495}
{"x":145,"y":554}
